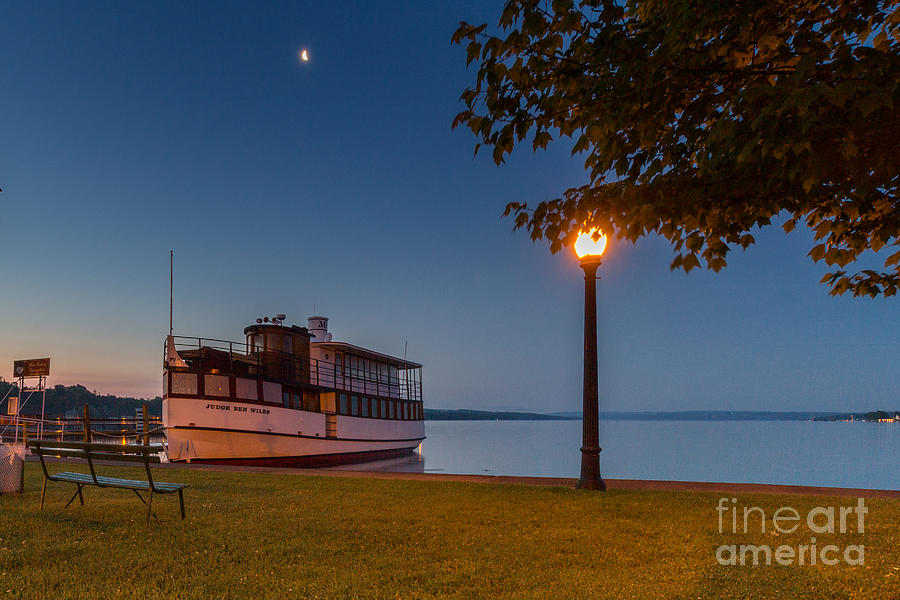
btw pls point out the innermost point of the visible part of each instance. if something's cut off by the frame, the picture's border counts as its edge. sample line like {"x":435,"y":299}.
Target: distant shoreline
{"x":437,"y":414}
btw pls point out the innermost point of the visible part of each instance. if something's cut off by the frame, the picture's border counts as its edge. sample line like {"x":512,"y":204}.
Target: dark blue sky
{"x":127,"y":130}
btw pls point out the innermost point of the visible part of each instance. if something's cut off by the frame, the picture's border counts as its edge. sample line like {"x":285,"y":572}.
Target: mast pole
{"x":171,"y":280}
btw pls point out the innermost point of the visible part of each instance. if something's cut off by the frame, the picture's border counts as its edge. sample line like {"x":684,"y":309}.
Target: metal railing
{"x":206,"y":355}
{"x":114,"y":430}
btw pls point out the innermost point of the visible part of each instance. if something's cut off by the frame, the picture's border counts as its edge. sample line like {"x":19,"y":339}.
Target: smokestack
{"x":318,"y":329}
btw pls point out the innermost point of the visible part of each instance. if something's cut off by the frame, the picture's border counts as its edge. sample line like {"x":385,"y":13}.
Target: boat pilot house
{"x":328,"y":390}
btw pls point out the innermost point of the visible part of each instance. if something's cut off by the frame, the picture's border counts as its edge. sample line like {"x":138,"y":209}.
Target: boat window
{"x":287,"y":346}
{"x":310,"y":401}
{"x":384,"y":409}
{"x":394,"y":375}
{"x":365,"y":406}
{"x":354,"y":406}
{"x":345,"y":410}
{"x":286,"y":399}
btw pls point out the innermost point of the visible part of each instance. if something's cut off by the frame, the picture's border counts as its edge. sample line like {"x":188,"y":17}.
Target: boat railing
{"x":207,"y":355}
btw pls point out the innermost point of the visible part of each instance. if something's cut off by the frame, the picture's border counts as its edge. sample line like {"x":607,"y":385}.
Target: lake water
{"x":865,"y":455}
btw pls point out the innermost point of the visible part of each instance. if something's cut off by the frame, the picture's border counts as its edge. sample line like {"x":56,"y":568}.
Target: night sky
{"x":127,"y":130}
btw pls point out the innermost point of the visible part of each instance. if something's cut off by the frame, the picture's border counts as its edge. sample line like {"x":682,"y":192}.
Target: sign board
{"x":13,"y":406}
{"x":34,"y":367}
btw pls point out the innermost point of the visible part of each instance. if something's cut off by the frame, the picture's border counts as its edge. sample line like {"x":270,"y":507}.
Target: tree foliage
{"x":701,"y":120}
{"x":61,"y":398}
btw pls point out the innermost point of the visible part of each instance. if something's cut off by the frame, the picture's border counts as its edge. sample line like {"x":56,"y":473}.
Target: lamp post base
{"x":590,"y":470}
{"x":591,"y":484}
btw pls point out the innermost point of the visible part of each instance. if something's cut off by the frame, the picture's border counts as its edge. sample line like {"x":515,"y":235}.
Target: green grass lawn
{"x":253,"y":535}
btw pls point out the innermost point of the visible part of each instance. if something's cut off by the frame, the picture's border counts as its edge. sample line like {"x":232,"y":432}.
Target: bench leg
{"x":150,"y":505}
{"x":43,"y":491}
{"x":141,"y":498}
{"x":181,"y":501}
{"x":77,"y":494}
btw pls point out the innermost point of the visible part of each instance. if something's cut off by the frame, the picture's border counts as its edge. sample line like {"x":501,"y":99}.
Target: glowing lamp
{"x":587,"y":248}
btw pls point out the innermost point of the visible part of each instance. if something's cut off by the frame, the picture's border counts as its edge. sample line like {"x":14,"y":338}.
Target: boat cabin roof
{"x":370,"y":354}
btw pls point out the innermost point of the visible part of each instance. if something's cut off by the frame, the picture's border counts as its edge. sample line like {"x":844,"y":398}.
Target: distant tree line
{"x":439,"y":414}
{"x":61,"y":398}
{"x":874,"y":415}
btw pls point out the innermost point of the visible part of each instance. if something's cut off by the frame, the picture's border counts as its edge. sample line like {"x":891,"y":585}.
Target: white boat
{"x":288,"y":396}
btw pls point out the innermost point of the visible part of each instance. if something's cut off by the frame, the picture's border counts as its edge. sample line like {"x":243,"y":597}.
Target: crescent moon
{"x":304,"y":55}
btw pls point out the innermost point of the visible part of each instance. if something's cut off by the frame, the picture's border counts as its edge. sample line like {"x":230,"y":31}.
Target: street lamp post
{"x":589,"y":251}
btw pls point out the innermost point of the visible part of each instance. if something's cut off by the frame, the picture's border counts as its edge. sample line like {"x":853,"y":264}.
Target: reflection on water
{"x":412,"y":463}
{"x":836,"y":454}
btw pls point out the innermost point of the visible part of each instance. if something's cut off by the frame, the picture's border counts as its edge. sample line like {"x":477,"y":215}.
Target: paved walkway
{"x":611,"y":484}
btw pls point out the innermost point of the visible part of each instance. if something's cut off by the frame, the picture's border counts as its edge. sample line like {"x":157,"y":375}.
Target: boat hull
{"x":229,"y":432}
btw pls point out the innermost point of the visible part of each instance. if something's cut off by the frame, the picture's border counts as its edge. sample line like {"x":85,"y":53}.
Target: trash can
{"x":12,"y":468}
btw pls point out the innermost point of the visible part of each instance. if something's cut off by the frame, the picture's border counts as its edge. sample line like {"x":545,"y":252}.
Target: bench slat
{"x":158,"y":486}
{"x":83,"y":454}
{"x":62,"y":453}
{"x":123,"y":457}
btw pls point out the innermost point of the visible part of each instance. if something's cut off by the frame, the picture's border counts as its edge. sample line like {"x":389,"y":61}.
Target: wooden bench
{"x":105,"y":452}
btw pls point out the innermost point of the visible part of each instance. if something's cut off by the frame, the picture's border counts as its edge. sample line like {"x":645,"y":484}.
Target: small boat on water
{"x":288,"y":396}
